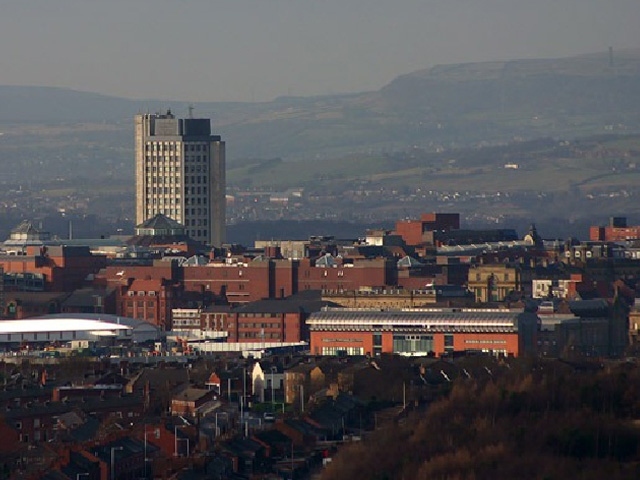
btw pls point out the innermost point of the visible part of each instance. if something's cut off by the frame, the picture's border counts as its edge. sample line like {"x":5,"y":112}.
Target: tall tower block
{"x":180,"y":172}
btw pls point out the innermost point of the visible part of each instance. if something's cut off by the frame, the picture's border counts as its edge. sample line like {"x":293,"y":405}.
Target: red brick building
{"x":344,"y":276}
{"x":271,"y":320}
{"x":150,"y":300}
{"x":53,"y":268}
{"x":422,"y":331}
{"x":239,"y":282}
{"x":616,"y":231}
{"x":189,"y":401}
{"x":412,"y":231}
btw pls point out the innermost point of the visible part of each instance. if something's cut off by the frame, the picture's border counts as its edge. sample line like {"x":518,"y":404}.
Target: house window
{"x":448,"y":343}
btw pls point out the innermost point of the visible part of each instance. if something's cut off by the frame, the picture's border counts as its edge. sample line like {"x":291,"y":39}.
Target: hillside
{"x":447,"y":105}
{"x":549,"y":420}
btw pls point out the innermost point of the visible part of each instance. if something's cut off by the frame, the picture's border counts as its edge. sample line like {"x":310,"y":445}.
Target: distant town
{"x":173,"y":353}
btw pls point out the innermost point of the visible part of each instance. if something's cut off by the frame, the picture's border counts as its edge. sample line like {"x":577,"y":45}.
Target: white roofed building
{"x":64,"y":328}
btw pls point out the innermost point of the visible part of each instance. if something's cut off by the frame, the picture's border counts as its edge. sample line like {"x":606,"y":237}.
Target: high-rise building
{"x":180,"y":173}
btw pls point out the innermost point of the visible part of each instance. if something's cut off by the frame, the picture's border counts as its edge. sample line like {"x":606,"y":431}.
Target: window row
{"x":197,"y":233}
{"x":196,"y":179}
{"x":195,"y":201}
{"x":195,"y":222}
{"x":195,"y":190}
{"x":340,"y":351}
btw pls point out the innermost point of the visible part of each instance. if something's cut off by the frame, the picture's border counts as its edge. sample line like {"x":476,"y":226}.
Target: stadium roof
{"x":60,"y":324}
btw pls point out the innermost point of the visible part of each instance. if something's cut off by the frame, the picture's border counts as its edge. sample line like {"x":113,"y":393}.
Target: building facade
{"x":617,"y":230}
{"x":180,"y":173}
{"x":413,"y":231}
{"x":493,"y":282}
{"x":428,"y":331}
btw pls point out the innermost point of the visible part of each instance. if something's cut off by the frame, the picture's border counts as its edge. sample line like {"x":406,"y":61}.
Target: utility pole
{"x":404,"y":395}
{"x":244,"y":396}
{"x":273,"y":407}
{"x":302,"y":398}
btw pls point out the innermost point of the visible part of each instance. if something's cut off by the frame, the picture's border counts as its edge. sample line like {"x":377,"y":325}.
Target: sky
{"x":257,"y":50}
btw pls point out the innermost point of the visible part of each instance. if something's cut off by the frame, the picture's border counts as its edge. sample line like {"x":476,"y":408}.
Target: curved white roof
{"x":59,"y":324}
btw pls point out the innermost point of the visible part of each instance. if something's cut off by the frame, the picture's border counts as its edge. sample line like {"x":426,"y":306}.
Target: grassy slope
{"x":542,"y":170}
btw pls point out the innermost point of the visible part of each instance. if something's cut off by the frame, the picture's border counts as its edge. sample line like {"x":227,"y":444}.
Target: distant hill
{"x":449,"y":105}
{"x":581,"y":85}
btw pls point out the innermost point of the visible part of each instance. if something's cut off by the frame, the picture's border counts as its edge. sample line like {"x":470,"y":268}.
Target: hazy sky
{"x":218,"y":50}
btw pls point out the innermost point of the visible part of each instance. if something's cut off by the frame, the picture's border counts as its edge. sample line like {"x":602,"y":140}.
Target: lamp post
{"x":175,"y":440}
{"x":273,"y":402}
{"x":244,"y":396}
{"x":291,"y":459}
{"x":113,"y":450}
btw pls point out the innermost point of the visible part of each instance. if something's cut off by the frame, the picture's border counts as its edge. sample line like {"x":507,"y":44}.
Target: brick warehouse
{"x":436,"y":331}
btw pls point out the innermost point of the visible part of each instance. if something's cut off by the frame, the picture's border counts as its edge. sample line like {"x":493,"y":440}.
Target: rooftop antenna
{"x":190,"y":111}
{"x":610,"y":57}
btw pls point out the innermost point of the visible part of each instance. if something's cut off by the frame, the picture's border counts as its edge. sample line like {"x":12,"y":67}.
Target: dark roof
{"x":218,"y":308}
{"x":191,"y":394}
{"x":304,"y":368}
{"x":160,"y":377}
{"x":161,"y":222}
{"x":272,"y":436}
{"x":39,"y":410}
{"x":243,"y":446}
{"x":130,"y":446}
{"x":285,"y":305}
{"x":85,"y":297}
{"x":332,"y":412}
{"x":303,"y":427}
{"x":160,"y":240}
{"x":87,"y":430}
{"x":39,"y":392}
{"x":589,"y":308}
{"x":36,"y":298}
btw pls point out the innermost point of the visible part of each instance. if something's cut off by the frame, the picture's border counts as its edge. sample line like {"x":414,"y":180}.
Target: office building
{"x":180,"y":173}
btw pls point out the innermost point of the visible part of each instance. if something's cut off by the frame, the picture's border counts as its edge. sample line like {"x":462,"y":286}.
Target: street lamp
{"x":273,"y":369}
{"x":244,"y":396}
{"x":113,"y":473}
